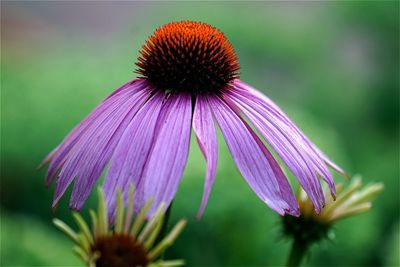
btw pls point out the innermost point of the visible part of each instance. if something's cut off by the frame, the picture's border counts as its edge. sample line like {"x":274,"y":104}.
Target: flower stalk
{"x":297,"y":253}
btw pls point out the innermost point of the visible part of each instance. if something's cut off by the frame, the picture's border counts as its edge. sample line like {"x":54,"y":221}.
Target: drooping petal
{"x":129,"y":158}
{"x":97,"y":149}
{"x":284,"y":141}
{"x":318,"y":158}
{"x":136,"y":84}
{"x":168,"y":156}
{"x":59,"y":155}
{"x":91,"y":151}
{"x":328,"y":160}
{"x":204,"y":129}
{"x":254,"y":162}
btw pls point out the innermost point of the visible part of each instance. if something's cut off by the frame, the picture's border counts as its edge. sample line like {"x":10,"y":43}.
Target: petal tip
{"x":54,"y":207}
{"x":198,"y":216}
{"x":295,"y":213}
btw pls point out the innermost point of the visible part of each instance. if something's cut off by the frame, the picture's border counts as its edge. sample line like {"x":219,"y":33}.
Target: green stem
{"x":297,"y":253}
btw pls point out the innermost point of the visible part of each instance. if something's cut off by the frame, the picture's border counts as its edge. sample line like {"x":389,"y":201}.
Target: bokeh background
{"x":332,"y":66}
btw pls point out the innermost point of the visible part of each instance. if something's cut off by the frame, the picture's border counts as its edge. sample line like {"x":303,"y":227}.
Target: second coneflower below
{"x":189,"y":79}
{"x":131,"y":242}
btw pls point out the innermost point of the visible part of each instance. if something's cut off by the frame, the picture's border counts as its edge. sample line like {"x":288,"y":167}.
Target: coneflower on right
{"x":310,"y":228}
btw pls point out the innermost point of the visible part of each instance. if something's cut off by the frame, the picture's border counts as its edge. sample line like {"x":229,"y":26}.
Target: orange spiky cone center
{"x":188,"y":57}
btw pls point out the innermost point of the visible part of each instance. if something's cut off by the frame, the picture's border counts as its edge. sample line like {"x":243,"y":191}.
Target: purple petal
{"x":327,"y":160}
{"x":59,"y":155}
{"x":315,"y":152}
{"x":254,"y":162}
{"x":284,"y":140}
{"x":129,"y":158}
{"x":204,"y":129}
{"x":98,"y":148}
{"x":135,"y":84}
{"x":167,"y":159}
{"x":90,"y":152}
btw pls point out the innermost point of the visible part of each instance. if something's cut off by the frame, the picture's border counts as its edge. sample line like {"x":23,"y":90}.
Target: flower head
{"x":350,"y":201}
{"x":311,"y":227}
{"x":189,"y":79}
{"x":131,"y":242}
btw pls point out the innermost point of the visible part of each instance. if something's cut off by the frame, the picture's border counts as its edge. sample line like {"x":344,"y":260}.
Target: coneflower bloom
{"x":351,"y":200}
{"x":310,"y":228}
{"x":131,"y":242}
{"x":189,"y":78}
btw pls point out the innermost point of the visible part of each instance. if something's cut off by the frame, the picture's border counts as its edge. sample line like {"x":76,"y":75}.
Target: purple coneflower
{"x":188,"y":78}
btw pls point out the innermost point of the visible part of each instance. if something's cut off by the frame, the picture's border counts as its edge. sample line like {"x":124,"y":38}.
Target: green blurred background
{"x":332,"y":66}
